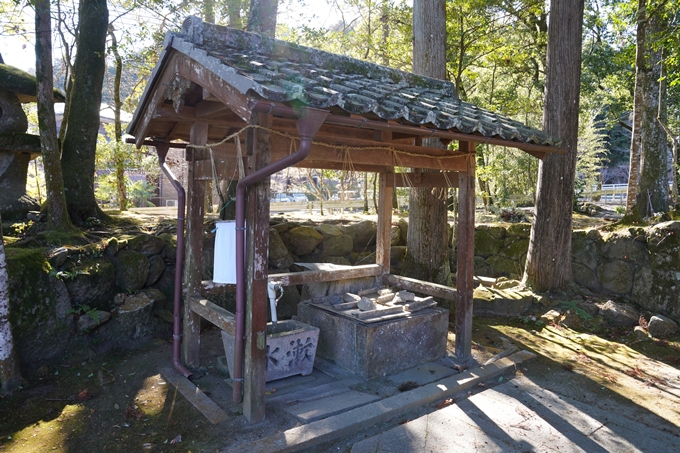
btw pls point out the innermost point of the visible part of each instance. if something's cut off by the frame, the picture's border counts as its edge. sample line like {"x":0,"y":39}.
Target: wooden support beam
{"x":217,"y":315}
{"x":257,"y":222}
{"x":307,"y":163}
{"x":383,"y":234}
{"x":414,"y":179}
{"x":419,"y":286}
{"x":194,"y":247}
{"x":303,"y":278}
{"x":466,"y":256}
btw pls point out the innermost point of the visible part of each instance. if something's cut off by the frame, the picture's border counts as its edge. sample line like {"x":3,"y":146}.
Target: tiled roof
{"x":282,"y":72}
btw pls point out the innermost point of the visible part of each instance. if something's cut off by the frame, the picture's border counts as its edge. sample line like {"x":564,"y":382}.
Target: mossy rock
{"x":132,"y":270}
{"x":584,"y":252}
{"x":92,"y":283}
{"x":39,"y":306}
{"x":340,"y":245}
{"x":147,"y":244}
{"x":279,"y":256}
{"x":515,"y":249}
{"x":302,"y":240}
{"x":657,"y":290}
{"x":521,"y":230}
{"x":585,"y":276}
{"x":156,"y":268}
{"x":365,"y":237}
{"x":616,"y":276}
{"x":501,"y":265}
{"x":328,"y":230}
{"x":486,"y":244}
{"x":621,"y":246}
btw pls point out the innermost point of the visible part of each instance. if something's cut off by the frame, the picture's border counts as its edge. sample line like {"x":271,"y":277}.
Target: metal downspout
{"x":308,"y":123}
{"x":162,"y":151}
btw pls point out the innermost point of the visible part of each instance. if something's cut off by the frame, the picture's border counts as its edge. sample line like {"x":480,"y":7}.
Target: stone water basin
{"x":291,"y":349}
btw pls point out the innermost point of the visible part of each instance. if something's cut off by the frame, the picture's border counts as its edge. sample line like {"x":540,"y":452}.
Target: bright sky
{"x":19,"y":52}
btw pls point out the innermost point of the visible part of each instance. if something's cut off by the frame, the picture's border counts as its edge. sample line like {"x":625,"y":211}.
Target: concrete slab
{"x":311,"y":410}
{"x":314,"y":393}
{"x":422,"y":374}
{"x":519,"y":416}
{"x":195,"y":396}
{"x":354,"y":420}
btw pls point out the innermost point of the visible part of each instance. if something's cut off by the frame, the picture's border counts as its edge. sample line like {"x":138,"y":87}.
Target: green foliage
{"x":591,"y":153}
{"x":85,"y":310}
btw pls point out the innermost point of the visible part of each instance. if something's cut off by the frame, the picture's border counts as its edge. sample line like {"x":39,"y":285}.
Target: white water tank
{"x":224,"y":264}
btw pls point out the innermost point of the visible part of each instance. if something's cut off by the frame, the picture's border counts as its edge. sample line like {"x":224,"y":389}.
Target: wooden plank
{"x":257,"y":221}
{"x":466,"y":256}
{"x":384,"y":229}
{"x":217,"y":315}
{"x":303,"y":278}
{"x":195,"y":396}
{"x":308,"y":163}
{"x":427,"y":179}
{"x":236,"y":101}
{"x":419,"y":286}
{"x":157,"y":98}
{"x":194,"y":248}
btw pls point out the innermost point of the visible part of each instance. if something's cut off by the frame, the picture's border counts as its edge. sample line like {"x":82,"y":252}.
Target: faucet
{"x":272,"y":288}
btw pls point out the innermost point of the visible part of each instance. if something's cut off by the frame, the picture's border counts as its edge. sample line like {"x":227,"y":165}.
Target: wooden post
{"x":191,"y":328}
{"x":383,"y":236}
{"x":466,"y":256}
{"x":257,"y":250}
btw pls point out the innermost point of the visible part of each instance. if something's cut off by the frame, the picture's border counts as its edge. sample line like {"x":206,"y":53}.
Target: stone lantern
{"x":17,"y":148}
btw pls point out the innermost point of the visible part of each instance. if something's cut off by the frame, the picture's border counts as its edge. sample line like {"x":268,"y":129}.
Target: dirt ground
{"x":119,"y":401}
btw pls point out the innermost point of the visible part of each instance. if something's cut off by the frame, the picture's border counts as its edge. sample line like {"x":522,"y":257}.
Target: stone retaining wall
{"x":131,"y":281}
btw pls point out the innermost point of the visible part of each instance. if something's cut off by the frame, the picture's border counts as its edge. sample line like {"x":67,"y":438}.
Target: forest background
{"x":496,"y":55}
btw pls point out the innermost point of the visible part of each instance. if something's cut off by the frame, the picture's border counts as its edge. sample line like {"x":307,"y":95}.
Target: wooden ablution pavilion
{"x":243,"y":104}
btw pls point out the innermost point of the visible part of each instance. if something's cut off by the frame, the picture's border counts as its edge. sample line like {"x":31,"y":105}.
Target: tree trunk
{"x":427,"y":256}
{"x":636,"y":138}
{"x":10,"y":374}
{"x":262,"y":17}
{"x":652,"y":193}
{"x":119,"y":157}
{"x":80,"y":143}
{"x":548,"y":264}
{"x":57,"y":214}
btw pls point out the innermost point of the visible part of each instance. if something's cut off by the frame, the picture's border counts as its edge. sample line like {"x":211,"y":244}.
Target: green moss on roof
{"x":22,"y":84}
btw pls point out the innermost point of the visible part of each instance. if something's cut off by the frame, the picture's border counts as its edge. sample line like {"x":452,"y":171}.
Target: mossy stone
{"x":92,"y":283}
{"x":302,"y":240}
{"x":485,"y":244}
{"x":616,"y":276}
{"x":132,"y":270}
{"x":39,"y":306}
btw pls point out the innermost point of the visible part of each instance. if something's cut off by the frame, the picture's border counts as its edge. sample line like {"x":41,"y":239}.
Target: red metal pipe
{"x":162,"y":151}
{"x":308,"y":123}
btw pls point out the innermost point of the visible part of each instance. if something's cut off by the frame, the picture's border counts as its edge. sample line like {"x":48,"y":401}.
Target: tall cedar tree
{"x":652,"y":188}
{"x":427,"y":257}
{"x":57,"y":215}
{"x":548,"y":264}
{"x":80,"y":142}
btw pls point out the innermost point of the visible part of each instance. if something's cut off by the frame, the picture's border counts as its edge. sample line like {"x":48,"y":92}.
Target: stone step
{"x":314,"y":393}
{"x":310,"y":410}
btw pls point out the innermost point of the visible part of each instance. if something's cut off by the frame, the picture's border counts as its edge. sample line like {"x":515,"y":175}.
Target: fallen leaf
{"x":443,"y":404}
{"x":133,"y":412}
{"x":176,"y":440}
